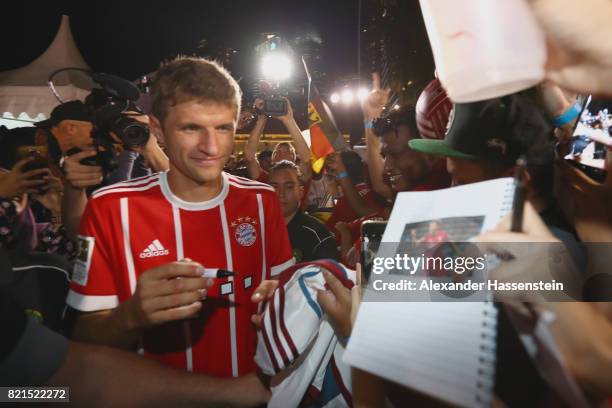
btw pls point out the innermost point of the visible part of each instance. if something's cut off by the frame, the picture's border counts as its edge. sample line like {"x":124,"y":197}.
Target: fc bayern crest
{"x":245,"y":234}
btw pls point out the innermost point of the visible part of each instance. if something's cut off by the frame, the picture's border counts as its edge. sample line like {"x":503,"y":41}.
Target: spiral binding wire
{"x":507,"y":202}
{"x":486,"y":359}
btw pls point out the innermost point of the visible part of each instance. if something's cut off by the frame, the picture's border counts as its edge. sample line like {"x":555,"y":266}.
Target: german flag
{"x":325,"y":138}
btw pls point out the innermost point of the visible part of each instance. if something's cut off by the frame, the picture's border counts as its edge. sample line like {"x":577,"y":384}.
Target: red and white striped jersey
{"x":130,"y":227}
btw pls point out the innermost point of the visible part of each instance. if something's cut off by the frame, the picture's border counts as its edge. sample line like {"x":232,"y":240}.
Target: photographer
{"x":30,"y":192}
{"x":31,"y":230}
{"x":15,"y":185}
{"x":139,"y":161}
{"x":283,"y":151}
{"x":71,"y":124}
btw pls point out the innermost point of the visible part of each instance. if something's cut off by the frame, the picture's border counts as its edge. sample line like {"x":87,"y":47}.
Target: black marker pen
{"x":520,"y":194}
{"x":216,"y":273}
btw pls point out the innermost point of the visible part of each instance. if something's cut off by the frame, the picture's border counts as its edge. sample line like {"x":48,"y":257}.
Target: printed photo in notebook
{"x":445,"y":350}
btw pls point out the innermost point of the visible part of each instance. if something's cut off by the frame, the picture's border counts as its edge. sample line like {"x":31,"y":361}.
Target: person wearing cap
{"x":484,"y":139}
{"x":70,"y":123}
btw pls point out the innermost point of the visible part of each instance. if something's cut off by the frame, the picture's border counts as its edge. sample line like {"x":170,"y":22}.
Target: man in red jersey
{"x":137,"y":282}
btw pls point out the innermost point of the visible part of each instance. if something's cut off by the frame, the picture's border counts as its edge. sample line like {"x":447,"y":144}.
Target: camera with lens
{"x":113,"y":119}
{"x":274,"y":102}
{"x":275,"y":106}
{"x":112,"y":110}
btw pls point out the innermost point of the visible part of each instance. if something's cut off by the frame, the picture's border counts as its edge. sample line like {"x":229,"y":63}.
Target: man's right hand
{"x":81,"y":176}
{"x":166,"y":293}
{"x":373,"y":105}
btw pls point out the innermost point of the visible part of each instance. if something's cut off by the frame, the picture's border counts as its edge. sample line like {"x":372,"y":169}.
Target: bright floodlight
{"x":276,"y":66}
{"x":396,"y":107}
{"x":335,"y":97}
{"x":347,"y":96}
{"x":362,"y":94}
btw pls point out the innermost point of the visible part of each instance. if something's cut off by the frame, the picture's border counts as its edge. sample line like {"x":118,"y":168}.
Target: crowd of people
{"x":103,"y":273}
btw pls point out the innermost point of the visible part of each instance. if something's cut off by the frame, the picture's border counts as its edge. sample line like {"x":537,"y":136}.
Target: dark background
{"x":131,"y":38}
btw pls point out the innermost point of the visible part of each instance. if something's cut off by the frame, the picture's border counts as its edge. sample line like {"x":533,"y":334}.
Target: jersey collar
{"x":190,"y":205}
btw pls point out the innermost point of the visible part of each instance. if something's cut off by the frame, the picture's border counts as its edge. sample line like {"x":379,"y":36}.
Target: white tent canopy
{"x":25,"y":96}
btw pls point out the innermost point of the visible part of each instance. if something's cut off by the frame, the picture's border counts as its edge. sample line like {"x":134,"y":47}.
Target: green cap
{"x":498,"y":130}
{"x":438,"y":147}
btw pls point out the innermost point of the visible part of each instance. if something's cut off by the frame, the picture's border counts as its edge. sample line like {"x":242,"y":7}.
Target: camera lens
{"x":275,"y":106}
{"x":131,"y":132}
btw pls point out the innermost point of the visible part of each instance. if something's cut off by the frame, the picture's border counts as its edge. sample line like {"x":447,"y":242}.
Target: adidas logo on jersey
{"x":155,"y":248}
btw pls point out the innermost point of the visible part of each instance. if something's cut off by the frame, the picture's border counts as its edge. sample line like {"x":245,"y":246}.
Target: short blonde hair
{"x":191,"y":78}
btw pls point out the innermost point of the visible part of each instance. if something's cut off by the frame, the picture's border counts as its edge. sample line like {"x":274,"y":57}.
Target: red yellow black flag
{"x":325,"y":138}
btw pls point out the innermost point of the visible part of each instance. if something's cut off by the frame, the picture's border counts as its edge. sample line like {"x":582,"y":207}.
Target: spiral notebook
{"x":442,"y":349}
{"x":463,"y":211}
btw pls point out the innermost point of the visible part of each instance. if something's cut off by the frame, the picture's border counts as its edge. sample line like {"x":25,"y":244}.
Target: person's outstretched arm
{"x":372,"y":108}
{"x":376,"y":165}
{"x":105,"y":377}
{"x":358,"y":204}
{"x":252,"y":144}
{"x":301,"y":147}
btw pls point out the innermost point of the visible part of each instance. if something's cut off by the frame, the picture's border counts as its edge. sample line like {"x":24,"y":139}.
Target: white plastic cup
{"x":484,"y":49}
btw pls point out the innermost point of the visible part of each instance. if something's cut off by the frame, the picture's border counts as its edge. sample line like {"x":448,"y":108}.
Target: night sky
{"x":130,"y":38}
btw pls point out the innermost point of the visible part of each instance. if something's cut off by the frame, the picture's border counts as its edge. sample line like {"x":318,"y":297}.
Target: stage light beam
{"x":276,"y":66}
{"x":362,"y":94}
{"x":347,"y":96}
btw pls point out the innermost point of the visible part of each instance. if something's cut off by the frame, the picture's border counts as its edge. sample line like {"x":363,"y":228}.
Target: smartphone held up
{"x":592,"y":138}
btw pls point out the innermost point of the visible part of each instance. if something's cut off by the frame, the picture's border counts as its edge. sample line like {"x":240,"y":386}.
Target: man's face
{"x":73,"y":133}
{"x":403,"y":166}
{"x":199,"y":139}
{"x":283,"y":153}
{"x":83,"y":129}
{"x":288,"y":188}
{"x":266,"y":163}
